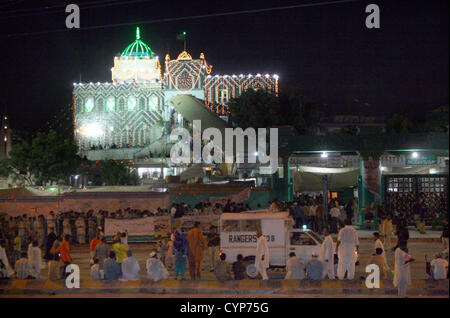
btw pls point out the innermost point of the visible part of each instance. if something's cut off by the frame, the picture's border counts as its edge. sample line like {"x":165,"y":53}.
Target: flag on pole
{"x":181,"y":36}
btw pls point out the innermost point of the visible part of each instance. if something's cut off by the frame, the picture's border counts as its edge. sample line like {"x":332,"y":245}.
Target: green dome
{"x":138,"y":48}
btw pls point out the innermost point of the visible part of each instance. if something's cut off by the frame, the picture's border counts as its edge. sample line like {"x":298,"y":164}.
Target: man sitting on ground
{"x":55,"y":268}
{"x":111,"y":267}
{"x":22,"y":267}
{"x":96,"y":273}
{"x":439,"y":268}
{"x":155,"y":268}
{"x":130,"y":267}
{"x":222,"y":269}
{"x":314,"y":268}
{"x":378,"y":259}
{"x":295,"y":267}
{"x":238,"y":268}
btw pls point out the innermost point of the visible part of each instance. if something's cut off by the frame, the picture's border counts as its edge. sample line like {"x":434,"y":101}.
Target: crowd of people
{"x":424,"y":208}
{"x":26,"y":241}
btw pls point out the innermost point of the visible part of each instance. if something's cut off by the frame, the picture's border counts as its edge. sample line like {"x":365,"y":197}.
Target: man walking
{"x":402,"y":276}
{"x":262,"y":255}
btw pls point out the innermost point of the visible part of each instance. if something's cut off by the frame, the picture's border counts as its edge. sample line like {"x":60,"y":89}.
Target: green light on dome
{"x":138,"y":48}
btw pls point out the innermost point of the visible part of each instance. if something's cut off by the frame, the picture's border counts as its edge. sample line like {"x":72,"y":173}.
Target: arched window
{"x":121,"y":104}
{"x":110,"y":104}
{"x":89,"y":104}
{"x":131,"y":103}
{"x":100,"y":105}
{"x":142,"y":103}
{"x":153,"y":103}
{"x":78,"y":105}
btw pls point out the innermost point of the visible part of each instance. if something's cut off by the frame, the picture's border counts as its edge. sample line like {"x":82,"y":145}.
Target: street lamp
{"x":324,"y":155}
{"x":415,"y":154}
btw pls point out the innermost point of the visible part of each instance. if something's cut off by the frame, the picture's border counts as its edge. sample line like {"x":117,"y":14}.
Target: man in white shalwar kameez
{"x":35,"y":260}
{"x":326,"y":255}
{"x":155,"y":268}
{"x":67,"y":230}
{"x":379,"y":244}
{"x":130,"y":267}
{"x":347,"y":246}
{"x":262,"y":255}
{"x":295,"y":267}
{"x":402,"y":276}
{"x":81,"y":230}
{"x":22,"y":267}
{"x":7,"y":271}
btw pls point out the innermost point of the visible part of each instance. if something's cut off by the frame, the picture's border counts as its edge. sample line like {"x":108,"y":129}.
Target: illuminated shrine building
{"x":133,"y":110}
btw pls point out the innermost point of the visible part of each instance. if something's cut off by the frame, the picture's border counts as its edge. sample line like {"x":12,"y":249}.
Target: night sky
{"x":325,"y":50}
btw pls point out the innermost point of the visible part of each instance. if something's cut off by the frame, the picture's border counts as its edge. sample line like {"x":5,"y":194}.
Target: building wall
{"x":118,"y":114}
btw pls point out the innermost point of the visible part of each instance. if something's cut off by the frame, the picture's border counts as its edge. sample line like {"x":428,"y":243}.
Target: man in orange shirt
{"x":94,"y":243}
{"x":63,"y":249}
{"x":197,"y":243}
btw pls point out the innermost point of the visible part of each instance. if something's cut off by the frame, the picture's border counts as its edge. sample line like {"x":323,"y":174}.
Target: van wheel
{"x":252,"y":271}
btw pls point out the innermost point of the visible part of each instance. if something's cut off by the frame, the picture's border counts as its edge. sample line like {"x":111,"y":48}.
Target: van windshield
{"x":316,"y":236}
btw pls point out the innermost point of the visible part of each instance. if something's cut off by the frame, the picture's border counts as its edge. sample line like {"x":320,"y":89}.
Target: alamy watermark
{"x":217,"y":149}
{"x":73,"y":279}
{"x":373,"y":279}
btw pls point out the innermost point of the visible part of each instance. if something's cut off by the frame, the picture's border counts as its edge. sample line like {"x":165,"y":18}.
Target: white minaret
{"x":5,"y":138}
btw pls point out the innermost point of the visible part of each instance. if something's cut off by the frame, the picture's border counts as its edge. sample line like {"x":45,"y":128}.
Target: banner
{"x":238,"y":197}
{"x":139,"y":229}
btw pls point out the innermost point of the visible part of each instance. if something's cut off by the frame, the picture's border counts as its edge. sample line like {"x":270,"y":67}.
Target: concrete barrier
{"x":244,"y":287}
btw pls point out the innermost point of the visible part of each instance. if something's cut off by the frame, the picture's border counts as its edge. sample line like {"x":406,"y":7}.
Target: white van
{"x":238,"y":236}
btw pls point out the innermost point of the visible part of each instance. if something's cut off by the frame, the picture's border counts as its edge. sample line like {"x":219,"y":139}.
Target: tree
{"x":398,"y":124}
{"x":255,"y":109}
{"x":436,"y":121}
{"x":18,"y":165}
{"x":117,"y":173}
{"x":49,"y":158}
{"x":263,"y":109}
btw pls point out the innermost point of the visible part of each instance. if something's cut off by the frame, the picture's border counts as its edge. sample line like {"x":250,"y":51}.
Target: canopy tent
{"x":310,"y":178}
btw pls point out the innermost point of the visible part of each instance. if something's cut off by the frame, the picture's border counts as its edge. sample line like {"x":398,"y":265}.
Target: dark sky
{"x":325,"y":50}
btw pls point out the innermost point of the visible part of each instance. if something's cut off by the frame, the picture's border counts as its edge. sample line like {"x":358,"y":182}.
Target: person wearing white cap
{"x":155,"y":268}
{"x":439,"y":267}
{"x":314,"y":268}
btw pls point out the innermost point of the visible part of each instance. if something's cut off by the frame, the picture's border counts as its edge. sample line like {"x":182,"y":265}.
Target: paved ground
{"x":210,"y":287}
{"x":228,"y":296}
{"x":418,"y":250}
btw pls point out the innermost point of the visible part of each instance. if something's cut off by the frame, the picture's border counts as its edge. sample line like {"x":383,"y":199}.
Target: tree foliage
{"x":262,"y":109}
{"x":115,"y":172}
{"x":48,"y":158}
{"x":398,"y":124}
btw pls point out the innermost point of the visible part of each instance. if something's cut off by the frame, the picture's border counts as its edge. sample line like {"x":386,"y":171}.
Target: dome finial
{"x":138,"y":36}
